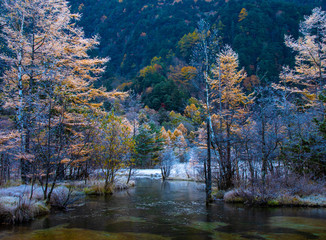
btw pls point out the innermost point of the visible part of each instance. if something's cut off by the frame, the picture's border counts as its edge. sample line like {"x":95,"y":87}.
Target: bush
{"x":219,"y":194}
{"x":122,"y":185}
{"x":18,"y":210}
{"x":289,"y":189}
{"x":97,"y":188}
{"x":238,"y":196}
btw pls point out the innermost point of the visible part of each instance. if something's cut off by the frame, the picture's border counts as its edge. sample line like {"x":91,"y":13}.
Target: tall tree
{"x":230,"y":102}
{"x":49,"y":80}
{"x":304,"y":90}
{"x":203,"y":58}
{"x":149,"y":143}
{"x":113,"y":146}
{"x":309,"y":73}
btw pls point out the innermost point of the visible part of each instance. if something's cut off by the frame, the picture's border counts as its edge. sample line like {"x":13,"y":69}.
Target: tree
{"x":182,"y":76}
{"x":166,"y":160}
{"x":9,"y":142}
{"x":303,"y":89}
{"x":203,"y":56}
{"x":149,"y":143}
{"x":230,"y":103}
{"x":269,"y":128}
{"x":133,"y":110}
{"x":243,"y":14}
{"x":308,"y":76}
{"x":113,"y":146}
{"x":187,"y":43}
{"x":49,"y":82}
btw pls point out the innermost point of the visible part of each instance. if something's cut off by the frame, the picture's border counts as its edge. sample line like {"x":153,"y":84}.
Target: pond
{"x":170,"y":210}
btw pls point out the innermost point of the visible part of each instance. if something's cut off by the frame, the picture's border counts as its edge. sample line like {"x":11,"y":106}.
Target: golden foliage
{"x":243,"y":14}
{"x":113,"y":145}
{"x":182,"y":128}
{"x":250,"y":82}
{"x":192,"y":112}
{"x":229,"y":99}
{"x":182,"y":75}
{"x":187,"y":42}
{"x":307,"y":77}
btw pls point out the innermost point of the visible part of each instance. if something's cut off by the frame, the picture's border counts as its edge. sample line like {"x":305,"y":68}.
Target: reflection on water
{"x":170,"y":210}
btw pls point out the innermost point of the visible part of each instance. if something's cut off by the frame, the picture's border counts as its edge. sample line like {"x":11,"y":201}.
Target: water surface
{"x":170,"y":210}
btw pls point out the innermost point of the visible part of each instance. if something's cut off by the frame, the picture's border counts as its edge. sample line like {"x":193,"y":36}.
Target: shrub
{"x":219,"y":194}
{"x":234,"y":196}
{"x":122,"y":185}
{"x":98,"y":188}
{"x":17,"y":210}
{"x":63,"y":196}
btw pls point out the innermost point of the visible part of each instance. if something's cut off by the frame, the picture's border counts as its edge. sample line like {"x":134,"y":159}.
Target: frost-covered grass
{"x":16,"y":205}
{"x":247,"y":197}
{"x":17,"y":209}
{"x":121,"y":184}
{"x":63,"y":197}
{"x":97,"y":187}
{"x":15,"y":191}
{"x":292,"y":190}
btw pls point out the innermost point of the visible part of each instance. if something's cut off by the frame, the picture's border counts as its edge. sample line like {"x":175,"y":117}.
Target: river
{"x":170,"y":210}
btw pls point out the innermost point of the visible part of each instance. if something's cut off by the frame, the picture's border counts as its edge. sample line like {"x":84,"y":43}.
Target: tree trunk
{"x":129,"y":174}
{"x":209,"y":171}
{"x":263,"y":152}
{"x":229,"y":173}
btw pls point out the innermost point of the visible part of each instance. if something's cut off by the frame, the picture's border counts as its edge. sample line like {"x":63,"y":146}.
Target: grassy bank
{"x":17,"y":209}
{"x":255,"y":199}
{"x":17,"y":206}
{"x":277,"y":192}
{"x":97,"y":187}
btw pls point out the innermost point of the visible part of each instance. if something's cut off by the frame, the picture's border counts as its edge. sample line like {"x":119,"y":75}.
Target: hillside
{"x":133,"y":32}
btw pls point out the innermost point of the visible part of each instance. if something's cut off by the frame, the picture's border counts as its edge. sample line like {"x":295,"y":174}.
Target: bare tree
{"x":203,"y":58}
{"x":166,"y":160}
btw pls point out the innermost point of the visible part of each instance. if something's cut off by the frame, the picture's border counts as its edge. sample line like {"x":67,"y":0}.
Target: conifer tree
{"x":308,"y":76}
{"x":229,"y":102}
{"x":49,"y":82}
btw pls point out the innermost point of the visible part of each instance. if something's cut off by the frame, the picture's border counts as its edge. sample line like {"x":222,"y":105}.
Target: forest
{"x":230,"y":93}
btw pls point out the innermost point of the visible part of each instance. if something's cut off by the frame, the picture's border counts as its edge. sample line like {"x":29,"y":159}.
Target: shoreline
{"x":16,"y":207}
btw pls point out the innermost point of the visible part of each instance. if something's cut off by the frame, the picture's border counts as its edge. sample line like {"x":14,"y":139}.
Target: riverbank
{"x":294,"y":191}
{"x":281,"y":200}
{"x":170,"y":210}
{"x":18,"y":205}
{"x":291,"y":190}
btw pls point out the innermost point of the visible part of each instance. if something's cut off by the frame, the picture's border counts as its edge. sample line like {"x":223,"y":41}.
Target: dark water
{"x":170,"y":210}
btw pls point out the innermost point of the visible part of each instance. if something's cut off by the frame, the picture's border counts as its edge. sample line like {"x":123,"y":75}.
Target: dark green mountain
{"x":134,"y":31}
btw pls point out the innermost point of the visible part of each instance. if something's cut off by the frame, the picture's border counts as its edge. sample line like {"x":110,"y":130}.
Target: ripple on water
{"x":213,"y":229}
{"x":298,"y":227}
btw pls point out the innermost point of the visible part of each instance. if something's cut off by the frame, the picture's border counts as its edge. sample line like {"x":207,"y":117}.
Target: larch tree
{"x":23,"y":39}
{"x":49,"y":82}
{"x":303,"y":89}
{"x":229,"y":101}
{"x":308,"y":76}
